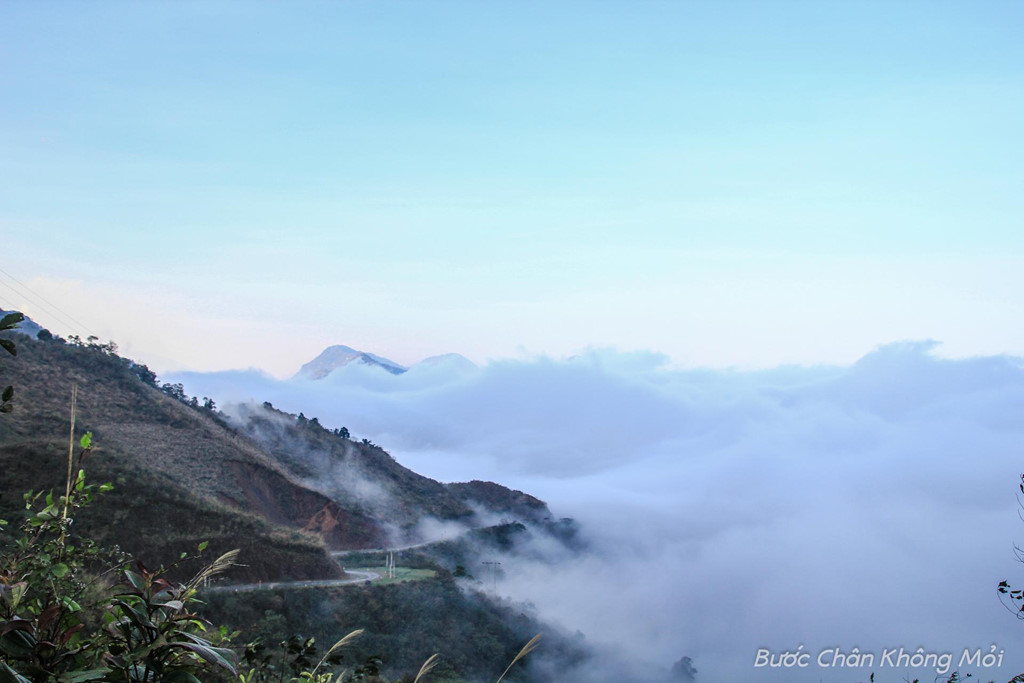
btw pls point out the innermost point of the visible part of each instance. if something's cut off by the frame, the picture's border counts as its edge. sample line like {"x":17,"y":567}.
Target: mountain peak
{"x":450,"y":361}
{"x":339,"y":355}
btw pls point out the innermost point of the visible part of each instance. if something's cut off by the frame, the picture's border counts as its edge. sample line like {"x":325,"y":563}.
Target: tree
{"x":138,"y":369}
{"x":61,"y":619}
{"x":175,"y":391}
{"x":683,"y":670}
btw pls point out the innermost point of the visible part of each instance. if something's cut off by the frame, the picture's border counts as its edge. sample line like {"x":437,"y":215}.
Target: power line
{"x":8,"y":306}
{"x":494,"y":581}
{"x":53,"y":308}
{"x":56,"y":310}
{"x":36,"y":315}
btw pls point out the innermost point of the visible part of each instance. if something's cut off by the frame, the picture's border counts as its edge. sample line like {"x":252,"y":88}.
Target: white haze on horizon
{"x":866,"y":506}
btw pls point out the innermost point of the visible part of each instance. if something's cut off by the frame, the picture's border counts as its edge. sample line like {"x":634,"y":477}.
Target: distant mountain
{"x":334,"y":357}
{"x":449,"y":361}
{"x":338,"y":356}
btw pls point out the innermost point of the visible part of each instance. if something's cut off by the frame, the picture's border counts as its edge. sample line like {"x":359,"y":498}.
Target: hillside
{"x":476,"y":634}
{"x":502,"y":501}
{"x":358,"y":476}
{"x":280,"y":487}
{"x":180,"y":476}
{"x":284,"y":490}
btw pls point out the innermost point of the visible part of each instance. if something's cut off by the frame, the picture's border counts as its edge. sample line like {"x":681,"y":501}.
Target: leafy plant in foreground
{"x":9,"y":322}
{"x":72,"y":612}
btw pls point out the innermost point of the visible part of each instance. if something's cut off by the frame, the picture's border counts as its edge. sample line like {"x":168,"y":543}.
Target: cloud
{"x":869,"y":505}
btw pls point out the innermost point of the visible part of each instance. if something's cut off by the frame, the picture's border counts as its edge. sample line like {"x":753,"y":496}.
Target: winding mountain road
{"x":396,"y":549}
{"x":358,"y":577}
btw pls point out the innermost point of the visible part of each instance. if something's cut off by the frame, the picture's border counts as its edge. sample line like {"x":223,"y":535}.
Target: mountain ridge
{"x":280,"y":486}
{"x":339,"y":356}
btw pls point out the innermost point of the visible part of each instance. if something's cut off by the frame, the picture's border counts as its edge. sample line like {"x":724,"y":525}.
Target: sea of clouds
{"x":870,"y":506}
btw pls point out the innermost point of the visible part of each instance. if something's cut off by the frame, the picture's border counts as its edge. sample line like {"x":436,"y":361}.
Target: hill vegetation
{"x":280,"y":488}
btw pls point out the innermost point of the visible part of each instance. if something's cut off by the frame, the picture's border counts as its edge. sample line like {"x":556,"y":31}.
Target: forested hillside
{"x":282,"y":489}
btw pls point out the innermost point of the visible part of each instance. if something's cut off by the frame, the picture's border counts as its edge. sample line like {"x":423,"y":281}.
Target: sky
{"x":743,"y":279}
{"x":744,"y":184}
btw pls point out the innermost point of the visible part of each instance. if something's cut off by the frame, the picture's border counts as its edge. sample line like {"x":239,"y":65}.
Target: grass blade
{"x":527,"y":649}
{"x":341,"y":643}
{"x":427,"y":667}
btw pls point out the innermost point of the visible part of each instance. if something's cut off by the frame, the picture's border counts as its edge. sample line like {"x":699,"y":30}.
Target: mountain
{"x":180,"y":475}
{"x":454,"y":362}
{"x":279,"y":486}
{"x":359,"y":477}
{"x":338,"y":356}
{"x":500,"y":500}
{"x":286,"y":492}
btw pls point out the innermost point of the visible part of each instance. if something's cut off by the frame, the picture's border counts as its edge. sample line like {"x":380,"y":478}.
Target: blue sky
{"x":220,"y":185}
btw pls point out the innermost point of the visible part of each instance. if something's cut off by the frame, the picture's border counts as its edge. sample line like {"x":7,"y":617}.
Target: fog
{"x":869,"y":506}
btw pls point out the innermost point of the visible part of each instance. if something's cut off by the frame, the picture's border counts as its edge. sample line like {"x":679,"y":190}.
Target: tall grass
{"x":527,"y":649}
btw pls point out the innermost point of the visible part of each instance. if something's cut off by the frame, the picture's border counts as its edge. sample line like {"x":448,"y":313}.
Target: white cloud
{"x":870,"y":505}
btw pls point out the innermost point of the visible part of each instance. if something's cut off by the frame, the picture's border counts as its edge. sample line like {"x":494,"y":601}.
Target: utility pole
{"x":494,"y":581}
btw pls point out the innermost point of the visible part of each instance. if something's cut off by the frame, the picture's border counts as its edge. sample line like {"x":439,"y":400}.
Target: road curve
{"x":395,"y":549}
{"x":358,"y":577}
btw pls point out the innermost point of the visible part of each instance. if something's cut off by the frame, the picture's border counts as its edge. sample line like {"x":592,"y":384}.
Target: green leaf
{"x":18,"y":591}
{"x":138,"y":618}
{"x":203,"y":545}
{"x":86,"y":440}
{"x":17,"y":644}
{"x":59,"y":570}
{"x":45,"y":515}
{"x":135,"y":580}
{"x":8,"y":346}
{"x":81,"y":676}
{"x":214,"y":655}
{"x":8,"y":394}
{"x":10,"y":321}
{"x":106,"y":487}
{"x":9,"y":675}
